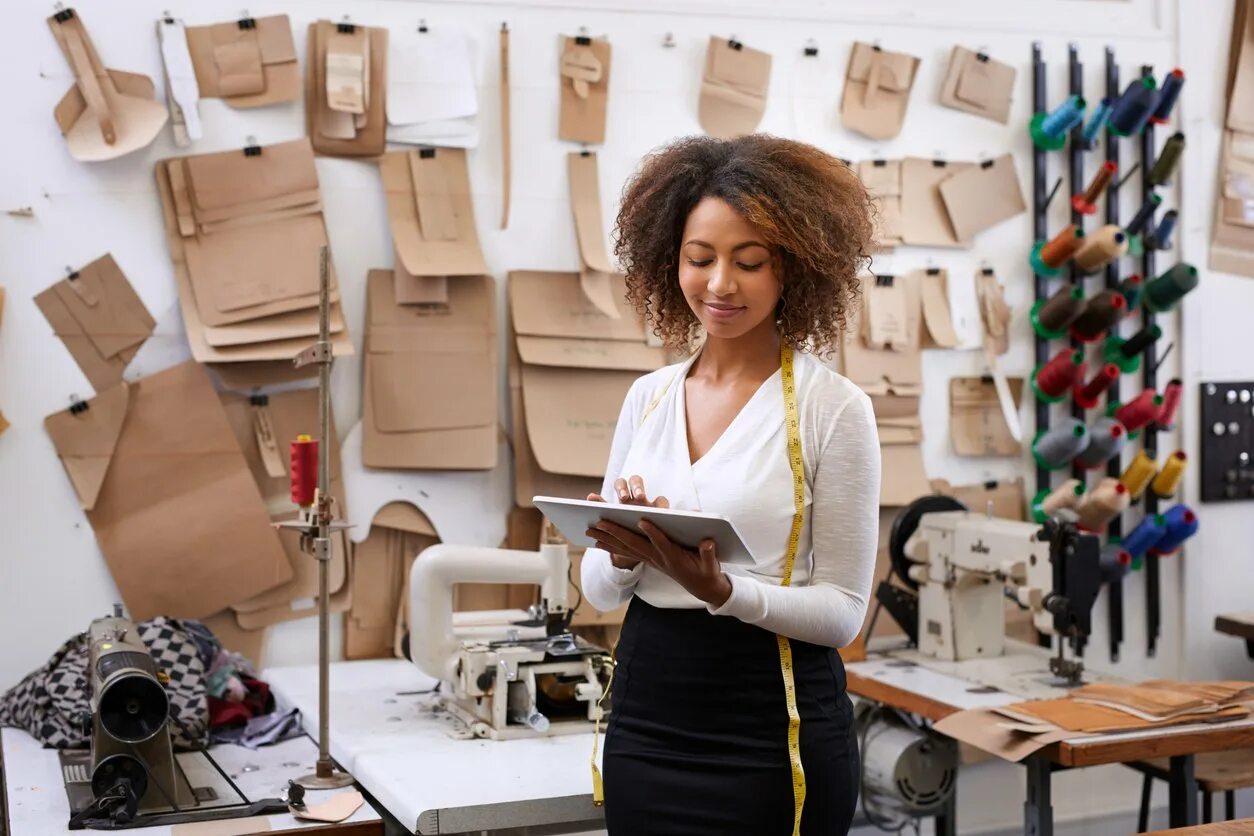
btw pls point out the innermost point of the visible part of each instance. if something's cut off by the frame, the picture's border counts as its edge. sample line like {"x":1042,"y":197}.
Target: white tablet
{"x":688,"y":528}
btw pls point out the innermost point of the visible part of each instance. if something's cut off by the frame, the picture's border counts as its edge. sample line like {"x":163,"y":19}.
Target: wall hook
{"x":668,"y":40}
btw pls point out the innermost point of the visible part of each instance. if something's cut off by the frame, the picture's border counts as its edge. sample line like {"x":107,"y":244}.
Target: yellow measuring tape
{"x":792,"y":424}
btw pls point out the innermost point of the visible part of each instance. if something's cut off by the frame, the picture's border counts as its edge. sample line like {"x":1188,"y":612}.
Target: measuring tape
{"x":792,"y":424}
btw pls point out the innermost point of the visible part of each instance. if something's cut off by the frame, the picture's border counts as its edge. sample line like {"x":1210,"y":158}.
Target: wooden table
{"x":906,"y":680}
{"x":1244,"y":827}
{"x":1240,"y":625}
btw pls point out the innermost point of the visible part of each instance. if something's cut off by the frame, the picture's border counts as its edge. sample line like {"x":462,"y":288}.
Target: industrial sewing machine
{"x":511,"y":673}
{"x":959,"y":566}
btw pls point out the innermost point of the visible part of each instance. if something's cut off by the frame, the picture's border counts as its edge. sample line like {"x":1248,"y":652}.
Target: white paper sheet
{"x":430,"y":77}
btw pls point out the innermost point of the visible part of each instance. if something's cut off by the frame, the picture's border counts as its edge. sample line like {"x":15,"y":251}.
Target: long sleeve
{"x":604,"y":585}
{"x":844,"y":529}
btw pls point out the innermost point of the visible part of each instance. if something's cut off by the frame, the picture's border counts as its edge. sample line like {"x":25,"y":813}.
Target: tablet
{"x":688,"y":528}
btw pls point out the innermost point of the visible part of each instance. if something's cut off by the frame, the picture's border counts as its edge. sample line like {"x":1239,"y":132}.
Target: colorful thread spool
{"x":1162,"y":293}
{"x":1160,"y":239}
{"x":1048,"y":257}
{"x":1115,"y":562}
{"x":1130,"y":289}
{"x":1181,"y":525}
{"x":1102,"y":504}
{"x":1144,"y":214}
{"x":1133,"y":109}
{"x":1139,"y":412}
{"x":1057,"y":446}
{"x":1051,"y":317}
{"x":1046,"y":503}
{"x":1138,"y":474}
{"x":1100,"y":312}
{"x":1086,"y":204}
{"x":1164,"y":484}
{"x":1171,"y":402}
{"x":1106,"y":440}
{"x":1168,"y":160}
{"x":1054,"y":380}
{"x":1049,"y":130}
{"x":1126,"y":353}
{"x":304,"y":460}
{"x":1145,"y":536}
{"x":1097,"y":121}
{"x":1086,"y":395}
{"x":1172,"y":85}
{"x":1101,"y":248}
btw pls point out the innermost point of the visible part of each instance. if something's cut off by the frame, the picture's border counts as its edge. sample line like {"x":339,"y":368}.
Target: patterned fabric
{"x":52,"y":703}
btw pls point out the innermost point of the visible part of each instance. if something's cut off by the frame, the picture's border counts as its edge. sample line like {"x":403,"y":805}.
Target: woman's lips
{"x":723,"y":312}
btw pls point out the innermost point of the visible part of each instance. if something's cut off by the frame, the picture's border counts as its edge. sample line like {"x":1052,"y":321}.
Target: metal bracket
{"x":319,"y":352}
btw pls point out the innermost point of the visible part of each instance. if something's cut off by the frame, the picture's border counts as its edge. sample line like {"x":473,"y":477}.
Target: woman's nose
{"x":722,"y":282}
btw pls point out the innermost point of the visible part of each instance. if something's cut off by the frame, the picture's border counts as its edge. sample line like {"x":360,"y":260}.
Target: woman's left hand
{"x":697,"y":571}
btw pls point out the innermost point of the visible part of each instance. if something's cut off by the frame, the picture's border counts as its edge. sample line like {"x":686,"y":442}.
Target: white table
{"x":408,"y":757}
{"x":37,"y":805}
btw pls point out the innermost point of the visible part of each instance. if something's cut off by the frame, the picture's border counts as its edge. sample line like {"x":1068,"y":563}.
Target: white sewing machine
{"x":511,"y":673}
{"x":964,"y":565}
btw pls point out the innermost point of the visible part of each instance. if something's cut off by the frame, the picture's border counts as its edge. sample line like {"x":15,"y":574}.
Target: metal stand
{"x":1038,"y":813}
{"x":1114,"y":467}
{"x":316,"y":530}
{"x":1182,"y":792}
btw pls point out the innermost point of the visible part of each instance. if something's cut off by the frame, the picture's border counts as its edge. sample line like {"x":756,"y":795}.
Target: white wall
{"x":52,"y":579}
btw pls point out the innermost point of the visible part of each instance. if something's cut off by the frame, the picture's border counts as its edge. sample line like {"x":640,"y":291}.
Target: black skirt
{"x":697,"y":739}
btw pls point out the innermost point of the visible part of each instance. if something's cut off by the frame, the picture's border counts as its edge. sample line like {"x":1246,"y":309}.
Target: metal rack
{"x":1114,"y":600}
{"x":1149,"y":371}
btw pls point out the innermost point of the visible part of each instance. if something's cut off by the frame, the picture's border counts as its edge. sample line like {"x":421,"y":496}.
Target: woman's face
{"x":726,"y":271}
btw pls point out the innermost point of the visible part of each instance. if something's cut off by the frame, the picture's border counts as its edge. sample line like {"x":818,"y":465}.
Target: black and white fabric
{"x":52,"y":703}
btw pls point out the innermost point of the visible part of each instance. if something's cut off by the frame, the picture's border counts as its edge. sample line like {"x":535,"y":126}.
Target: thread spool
{"x":1164,"y":484}
{"x":1101,"y":248}
{"x":1097,"y":121}
{"x":1172,"y":85}
{"x":1049,"y":130}
{"x":1181,"y":525}
{"x":1160,"y":239}
{"x":1048,"y":257}
{"x":1139,"y":412}
{"x":1146,"y":535}
{"x":1051,"y":317}
{"x":1086,"y":204}
{"x":1047,"y":503}
{"x":1056,"y":447}
{"x":1138,"y":474}
{"x":1126,"y":353}
{"x":1171,"y":402}
{"x":1144,"y":214}
{"x":1102,"y":504}
{"x":1106,"y":440}
{"x":1086,"y":395}
{"x":1133,"y":109}
{"x":1052,"y":381}
{"x":1168,"y":159}
{"x":1130,"y":289}
{"x":1100,"y":312}
{"x":1114,"y":563}
{"x":1162,"y":294}
{"x":303,"y":455}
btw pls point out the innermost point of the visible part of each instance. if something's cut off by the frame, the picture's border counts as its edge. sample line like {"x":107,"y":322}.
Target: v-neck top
{"x":746,"y":476}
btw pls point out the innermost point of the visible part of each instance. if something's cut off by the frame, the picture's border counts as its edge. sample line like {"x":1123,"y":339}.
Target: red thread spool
{"x":1086,"y":395}
{"x":304,"y":458}
{"x":1140,"y":411}
{"x":1059,"y":375}
{"x":1171,"y":402}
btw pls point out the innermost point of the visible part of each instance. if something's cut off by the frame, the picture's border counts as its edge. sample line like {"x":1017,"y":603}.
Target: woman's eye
{"x":750,"y":267}
{"x":700,"y":262}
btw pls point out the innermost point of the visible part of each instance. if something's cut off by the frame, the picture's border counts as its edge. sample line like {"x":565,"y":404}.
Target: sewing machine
{"x":511,"y":673}
{"x":959,"y":567}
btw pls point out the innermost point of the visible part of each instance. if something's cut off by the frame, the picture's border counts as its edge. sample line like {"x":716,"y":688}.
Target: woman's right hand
{"x":630,"y":492}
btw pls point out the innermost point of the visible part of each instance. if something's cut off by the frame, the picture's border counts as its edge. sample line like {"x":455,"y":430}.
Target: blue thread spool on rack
{"x":1172,"y":85}
{"x":1097,"y":121}
{"x":1181,"y":525}
{"x":1049,"y":130}
{"x":1161,"y":239}
{"x":1146,"y":535}
{"x":1133,"y":109}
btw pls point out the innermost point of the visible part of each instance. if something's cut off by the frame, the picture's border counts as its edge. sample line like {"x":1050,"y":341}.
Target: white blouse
{"x":746,"y":476}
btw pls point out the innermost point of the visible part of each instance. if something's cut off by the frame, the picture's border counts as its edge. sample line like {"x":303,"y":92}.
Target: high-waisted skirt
{"x":697,"y":741}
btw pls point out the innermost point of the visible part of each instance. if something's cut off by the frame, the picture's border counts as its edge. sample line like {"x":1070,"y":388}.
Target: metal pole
{"x":324,"y":768}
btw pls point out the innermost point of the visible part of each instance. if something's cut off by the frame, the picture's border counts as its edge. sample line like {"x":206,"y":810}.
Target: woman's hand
{"x":629,"y":492}
{"x":697,"y":571}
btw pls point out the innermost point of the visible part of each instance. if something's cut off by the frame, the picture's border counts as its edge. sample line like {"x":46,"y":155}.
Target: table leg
{"x":945,"y":823}
{"x":1182,"y":793}
{"x":1038,"y":815}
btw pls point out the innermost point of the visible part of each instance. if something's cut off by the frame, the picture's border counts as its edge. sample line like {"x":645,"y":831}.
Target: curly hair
{"x":812,"y":209}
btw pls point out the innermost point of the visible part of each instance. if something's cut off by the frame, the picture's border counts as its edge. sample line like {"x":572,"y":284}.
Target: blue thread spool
{"x":1146,"y":535}
{"x":1172,"y":85}
{"x":1144,"y":214}
{"x":1133,"y":109}
{"x":1181,"y":525}
{"x":1097,"y":121}
{"x":1161,"y":238}
{"x":1049,"y":131}
{"x":1115,"y":561}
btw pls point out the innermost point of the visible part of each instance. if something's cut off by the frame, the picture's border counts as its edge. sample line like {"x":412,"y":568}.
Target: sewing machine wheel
{"x":906,"y":523}
{"x":124,"y":780}
{"x":555,"y":689}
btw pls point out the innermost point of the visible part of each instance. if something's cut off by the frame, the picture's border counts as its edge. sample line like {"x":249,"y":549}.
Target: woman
{"x":753,"y":245}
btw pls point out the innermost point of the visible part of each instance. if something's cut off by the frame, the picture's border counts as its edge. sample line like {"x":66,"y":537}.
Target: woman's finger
{"x":620,"y":488}
{"x":635,"y":484}
{"x":661,"y":502}
{"x":631,"y":540}
{"x":708,"y":552}
{"x":656,"y":536}
{"x":595,"y":497}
